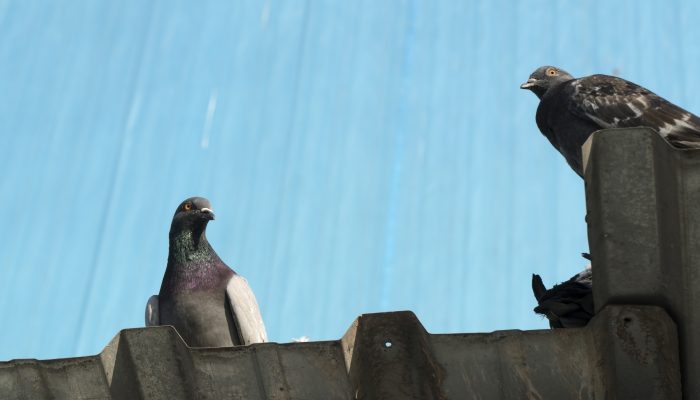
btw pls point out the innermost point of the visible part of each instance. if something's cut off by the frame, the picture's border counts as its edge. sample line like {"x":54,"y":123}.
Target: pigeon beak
{"x":208,"y":213}
{"x":530,"y":83}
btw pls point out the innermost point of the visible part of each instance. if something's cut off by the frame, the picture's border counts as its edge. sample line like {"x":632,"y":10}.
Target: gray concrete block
{"x":643,"y":212}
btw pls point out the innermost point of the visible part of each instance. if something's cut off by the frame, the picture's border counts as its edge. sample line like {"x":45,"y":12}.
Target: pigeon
{"x":571,"y":109}
{"x":208,"y":303}
{"x":568,"y":304}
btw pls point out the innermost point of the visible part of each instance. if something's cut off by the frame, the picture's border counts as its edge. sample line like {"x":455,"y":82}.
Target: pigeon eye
{"x":551,"y":72}
{"x":187,"y":206}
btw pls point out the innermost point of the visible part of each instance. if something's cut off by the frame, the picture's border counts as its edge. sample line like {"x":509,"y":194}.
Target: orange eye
{"x":187,"y":206}
{"x":551,"y":72}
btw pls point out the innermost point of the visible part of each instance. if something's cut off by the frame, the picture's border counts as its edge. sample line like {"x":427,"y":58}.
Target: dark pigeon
{"x":572,"y":109}
{"x":568,"y":304}
{"x":205,"y":300}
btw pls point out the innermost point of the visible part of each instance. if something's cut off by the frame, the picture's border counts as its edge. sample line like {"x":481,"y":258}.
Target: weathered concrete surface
{"x":643,"y":204}
{"x":626,"y":352}
{"x":390,"y":356}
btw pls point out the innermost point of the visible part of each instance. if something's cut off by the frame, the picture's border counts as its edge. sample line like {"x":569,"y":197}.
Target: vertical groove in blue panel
{"x":388,"y":275}
{"x":294,"y":133}
{"x":111,"y":207}
{"x":113,"y":204}
{"x":681,"y":46}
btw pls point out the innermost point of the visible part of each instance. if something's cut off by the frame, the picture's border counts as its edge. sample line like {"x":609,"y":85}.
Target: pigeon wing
{"x":246,"y":313}
{"x":612,"y":102}
{"x":152,"y":318}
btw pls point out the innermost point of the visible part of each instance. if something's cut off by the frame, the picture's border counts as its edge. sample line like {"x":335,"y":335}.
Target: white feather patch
{"x":152,"y":317}
{"x":246,"y":311}
{"x":678,"y":124}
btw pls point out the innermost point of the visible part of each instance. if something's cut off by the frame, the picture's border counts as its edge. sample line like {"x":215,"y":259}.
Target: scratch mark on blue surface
{"x":265,"y":15}
{"x":211,"y":109}
{"x":4,"y":5}
{"x":388,"y":274}
{"x":133,"y":114}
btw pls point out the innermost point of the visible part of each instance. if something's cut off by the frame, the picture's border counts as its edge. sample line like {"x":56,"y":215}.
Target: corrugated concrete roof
{"x":626,"y":352}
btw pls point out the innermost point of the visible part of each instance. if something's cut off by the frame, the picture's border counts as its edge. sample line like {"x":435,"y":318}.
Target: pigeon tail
{"x":568,"y":304}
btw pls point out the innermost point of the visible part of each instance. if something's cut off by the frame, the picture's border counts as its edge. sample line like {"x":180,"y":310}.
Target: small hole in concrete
{"x":387,"y":344}
{"x":627,"y":319}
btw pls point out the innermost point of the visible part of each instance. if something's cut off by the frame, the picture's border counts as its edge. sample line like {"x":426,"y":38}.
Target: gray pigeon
{"x":205,"y":300}
{"x":570,"y":110}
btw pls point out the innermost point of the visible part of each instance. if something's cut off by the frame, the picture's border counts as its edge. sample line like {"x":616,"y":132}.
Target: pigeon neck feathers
{"x":552,"y":87}
{"x":188,"y":246}
{"x":193,"y":264}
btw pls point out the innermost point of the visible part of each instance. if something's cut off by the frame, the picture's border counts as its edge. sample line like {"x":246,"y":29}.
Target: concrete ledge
{"x":643,"y":205}
{"x":626,"y":352}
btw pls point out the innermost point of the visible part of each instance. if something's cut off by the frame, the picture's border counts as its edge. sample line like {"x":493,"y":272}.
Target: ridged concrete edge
{"x":625,"y":352}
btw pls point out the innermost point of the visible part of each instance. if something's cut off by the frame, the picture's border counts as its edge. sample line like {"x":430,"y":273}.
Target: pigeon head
{"x":189,"y":248}
{"x":192,"y":214}
{"x":545,"y":78}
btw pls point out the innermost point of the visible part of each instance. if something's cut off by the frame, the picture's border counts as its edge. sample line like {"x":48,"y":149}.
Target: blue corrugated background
{"x":360,"y":155}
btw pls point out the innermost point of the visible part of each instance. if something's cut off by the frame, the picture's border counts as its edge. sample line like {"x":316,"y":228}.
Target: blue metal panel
{"x":361,"y":156}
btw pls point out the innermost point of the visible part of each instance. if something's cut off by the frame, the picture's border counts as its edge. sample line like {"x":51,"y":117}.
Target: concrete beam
{"x":643,"y":213}
{"x":626,"y":352}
